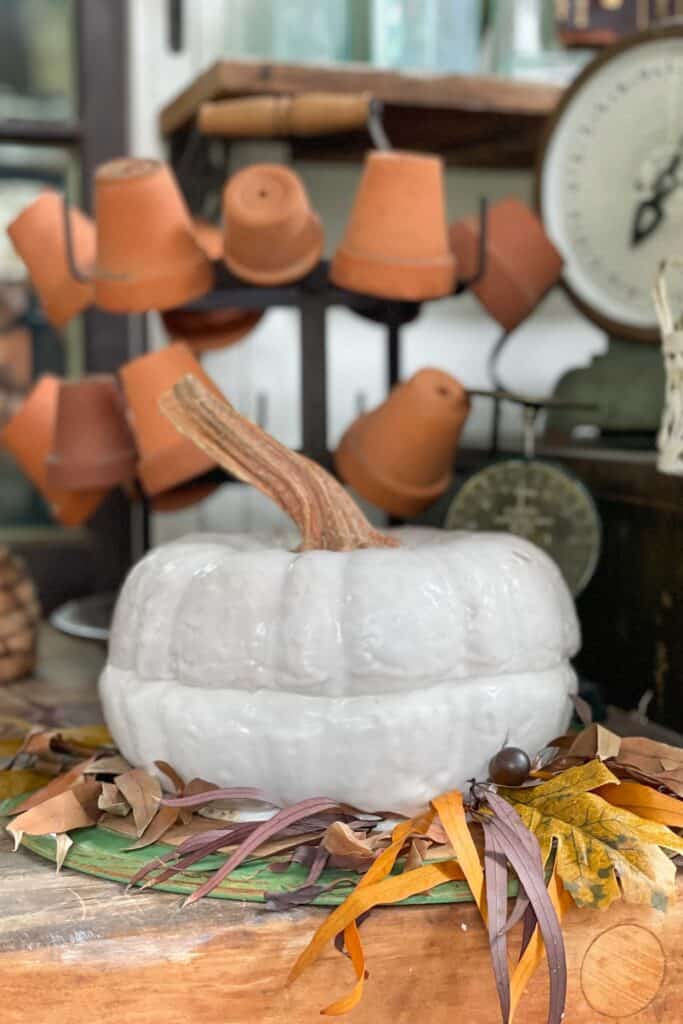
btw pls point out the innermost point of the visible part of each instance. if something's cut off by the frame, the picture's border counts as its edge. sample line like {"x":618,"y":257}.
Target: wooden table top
{"x":77,"y":949}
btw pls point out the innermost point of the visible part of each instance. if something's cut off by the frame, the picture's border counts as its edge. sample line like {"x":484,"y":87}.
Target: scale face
{"x":540,"y":502}
{"x":610,"y":180}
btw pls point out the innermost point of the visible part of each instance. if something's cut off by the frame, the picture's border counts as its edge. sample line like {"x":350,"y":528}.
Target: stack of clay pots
{"x":141,"y":252}
{"x":77,"y":440}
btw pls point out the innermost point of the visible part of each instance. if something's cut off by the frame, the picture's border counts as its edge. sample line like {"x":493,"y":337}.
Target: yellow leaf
{"x":645,"y":801}
{"x":14,"y":783}
{"x":8,"y":748}
{"x":94,"y":736}
{"x":603,"y":852}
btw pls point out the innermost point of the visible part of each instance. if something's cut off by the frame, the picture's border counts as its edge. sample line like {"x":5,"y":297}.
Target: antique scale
{"x":609,"y":192}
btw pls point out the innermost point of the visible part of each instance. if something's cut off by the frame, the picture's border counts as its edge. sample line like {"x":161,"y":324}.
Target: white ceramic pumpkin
{"x":380,"y":675}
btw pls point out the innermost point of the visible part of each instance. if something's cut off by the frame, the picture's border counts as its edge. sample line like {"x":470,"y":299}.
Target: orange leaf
{"x":75,"y":808}
{"x":60,"y":784}
{"x":376,"y":873}
{"x":535,"y":951}
{"x":365,"y":897}
{"x":451,"y":811}
{"x":645,"y":802}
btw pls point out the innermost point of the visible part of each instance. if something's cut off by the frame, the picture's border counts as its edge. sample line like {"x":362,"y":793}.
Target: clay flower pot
{"x":521,"y":261}
{"x":38,"y":236}
{"x":396,"y":241}
{"x":148,"y":256}
{"x":272,"y":236}
{"x":29,"y":436}
{"x":400,"y":456}
{"x":167,"y":459}
{"x":208,"y":329}
{"x":93,"y":444}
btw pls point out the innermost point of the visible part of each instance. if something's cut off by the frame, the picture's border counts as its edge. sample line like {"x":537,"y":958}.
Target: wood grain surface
{"x":74,"y":949}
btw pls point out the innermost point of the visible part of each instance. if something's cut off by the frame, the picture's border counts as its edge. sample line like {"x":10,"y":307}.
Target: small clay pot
{"x":272,"y":236}
{"x":93,"y":445}
{"x":396,"y":241}
{"x":204,"y":330}
{"x":30,"y":436}
{"x":148,"y":254}
{"x":38,"y":236}
{"x":167,"y":459}
{"x":401,"y":455}
{"x":521,"y":261}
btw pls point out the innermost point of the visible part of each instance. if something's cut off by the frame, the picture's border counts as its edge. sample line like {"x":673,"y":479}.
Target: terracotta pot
{"x":272,"y":236}
{"x":167,"y":459}
{"x":396,"y":241}
{"x":521,"y":261}
{"x":148,"y":256}
{"x":38,"y":236}
{"x":204,"y":330}
{"x":29,"y":436}
{"x":93,"y":444}
{"x":401,"y":455}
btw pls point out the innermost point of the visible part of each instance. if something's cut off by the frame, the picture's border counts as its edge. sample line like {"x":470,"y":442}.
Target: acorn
{"x":19,"y":618}
{"x":510,"y":767}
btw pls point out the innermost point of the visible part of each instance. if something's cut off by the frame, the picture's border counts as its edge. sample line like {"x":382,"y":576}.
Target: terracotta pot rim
{"x":387,"y":278}
{"x":152,"y":291}
{"x":144,"y":166}
{"x":109,"y":471}
{"x":287,"y":273}
{"x":433,"y":262}
{"x":184,"y":496}
{"x":211,"y":338}
{"x":408,"y":491}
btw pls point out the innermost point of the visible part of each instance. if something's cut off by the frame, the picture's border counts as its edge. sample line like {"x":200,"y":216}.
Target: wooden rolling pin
{"x":309,"y":113}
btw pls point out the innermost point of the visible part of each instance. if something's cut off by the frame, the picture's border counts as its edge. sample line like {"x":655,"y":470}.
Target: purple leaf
{"x":266,"y":830}
{"x":301,"y":896}
{"x":209,"y":795}
{"x":528,"y":928}
{"x":496,"y":876}
{"x":518,"y":911}
{"x":522,"y":850}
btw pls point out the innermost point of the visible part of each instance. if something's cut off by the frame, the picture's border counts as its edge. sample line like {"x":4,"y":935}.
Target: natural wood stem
{"x":326,"y":515}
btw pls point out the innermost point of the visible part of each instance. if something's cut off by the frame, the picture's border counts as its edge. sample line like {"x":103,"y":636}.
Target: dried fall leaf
{"x":645,"y":802}
{"x":63,"y":844}
{"x":112,"y":800}
{"x":60,"y":784}
{"x":340,"y":840}
{"x":95,"y":737}
{"x":595,"y":741}
{"x":74,"y":808}
{"x":170,"y":773}
{"x":112,"y":765}
{"x":416,"y":854}
{"x":600,"y":847}
{"x":161,"y":823}
{"x":17,"y":781}
{"x":143,"y":793}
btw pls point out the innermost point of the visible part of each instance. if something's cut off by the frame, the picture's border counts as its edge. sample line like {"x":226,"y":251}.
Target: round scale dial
{"x":540,"y":502}
{"x":610,"y":184}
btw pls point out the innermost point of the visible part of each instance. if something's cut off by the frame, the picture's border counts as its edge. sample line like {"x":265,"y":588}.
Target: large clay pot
{"x":272,"y":236}
{"x":396,"y":241}
{"x":38,"y":236}
{"x":208,"y":329}
{"x":167,"y":459}
{"x":93,"y":445}
{"x":29,"y":436}
{"x":401,"y":455}
{"x":148,"y":254}
{"x":521,"y":261}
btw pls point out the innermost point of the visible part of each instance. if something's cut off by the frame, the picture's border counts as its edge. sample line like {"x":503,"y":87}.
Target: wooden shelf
{"x":471,"y":121}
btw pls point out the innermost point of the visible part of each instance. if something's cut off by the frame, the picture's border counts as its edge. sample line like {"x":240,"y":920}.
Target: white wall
{"x":454,"y":334}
